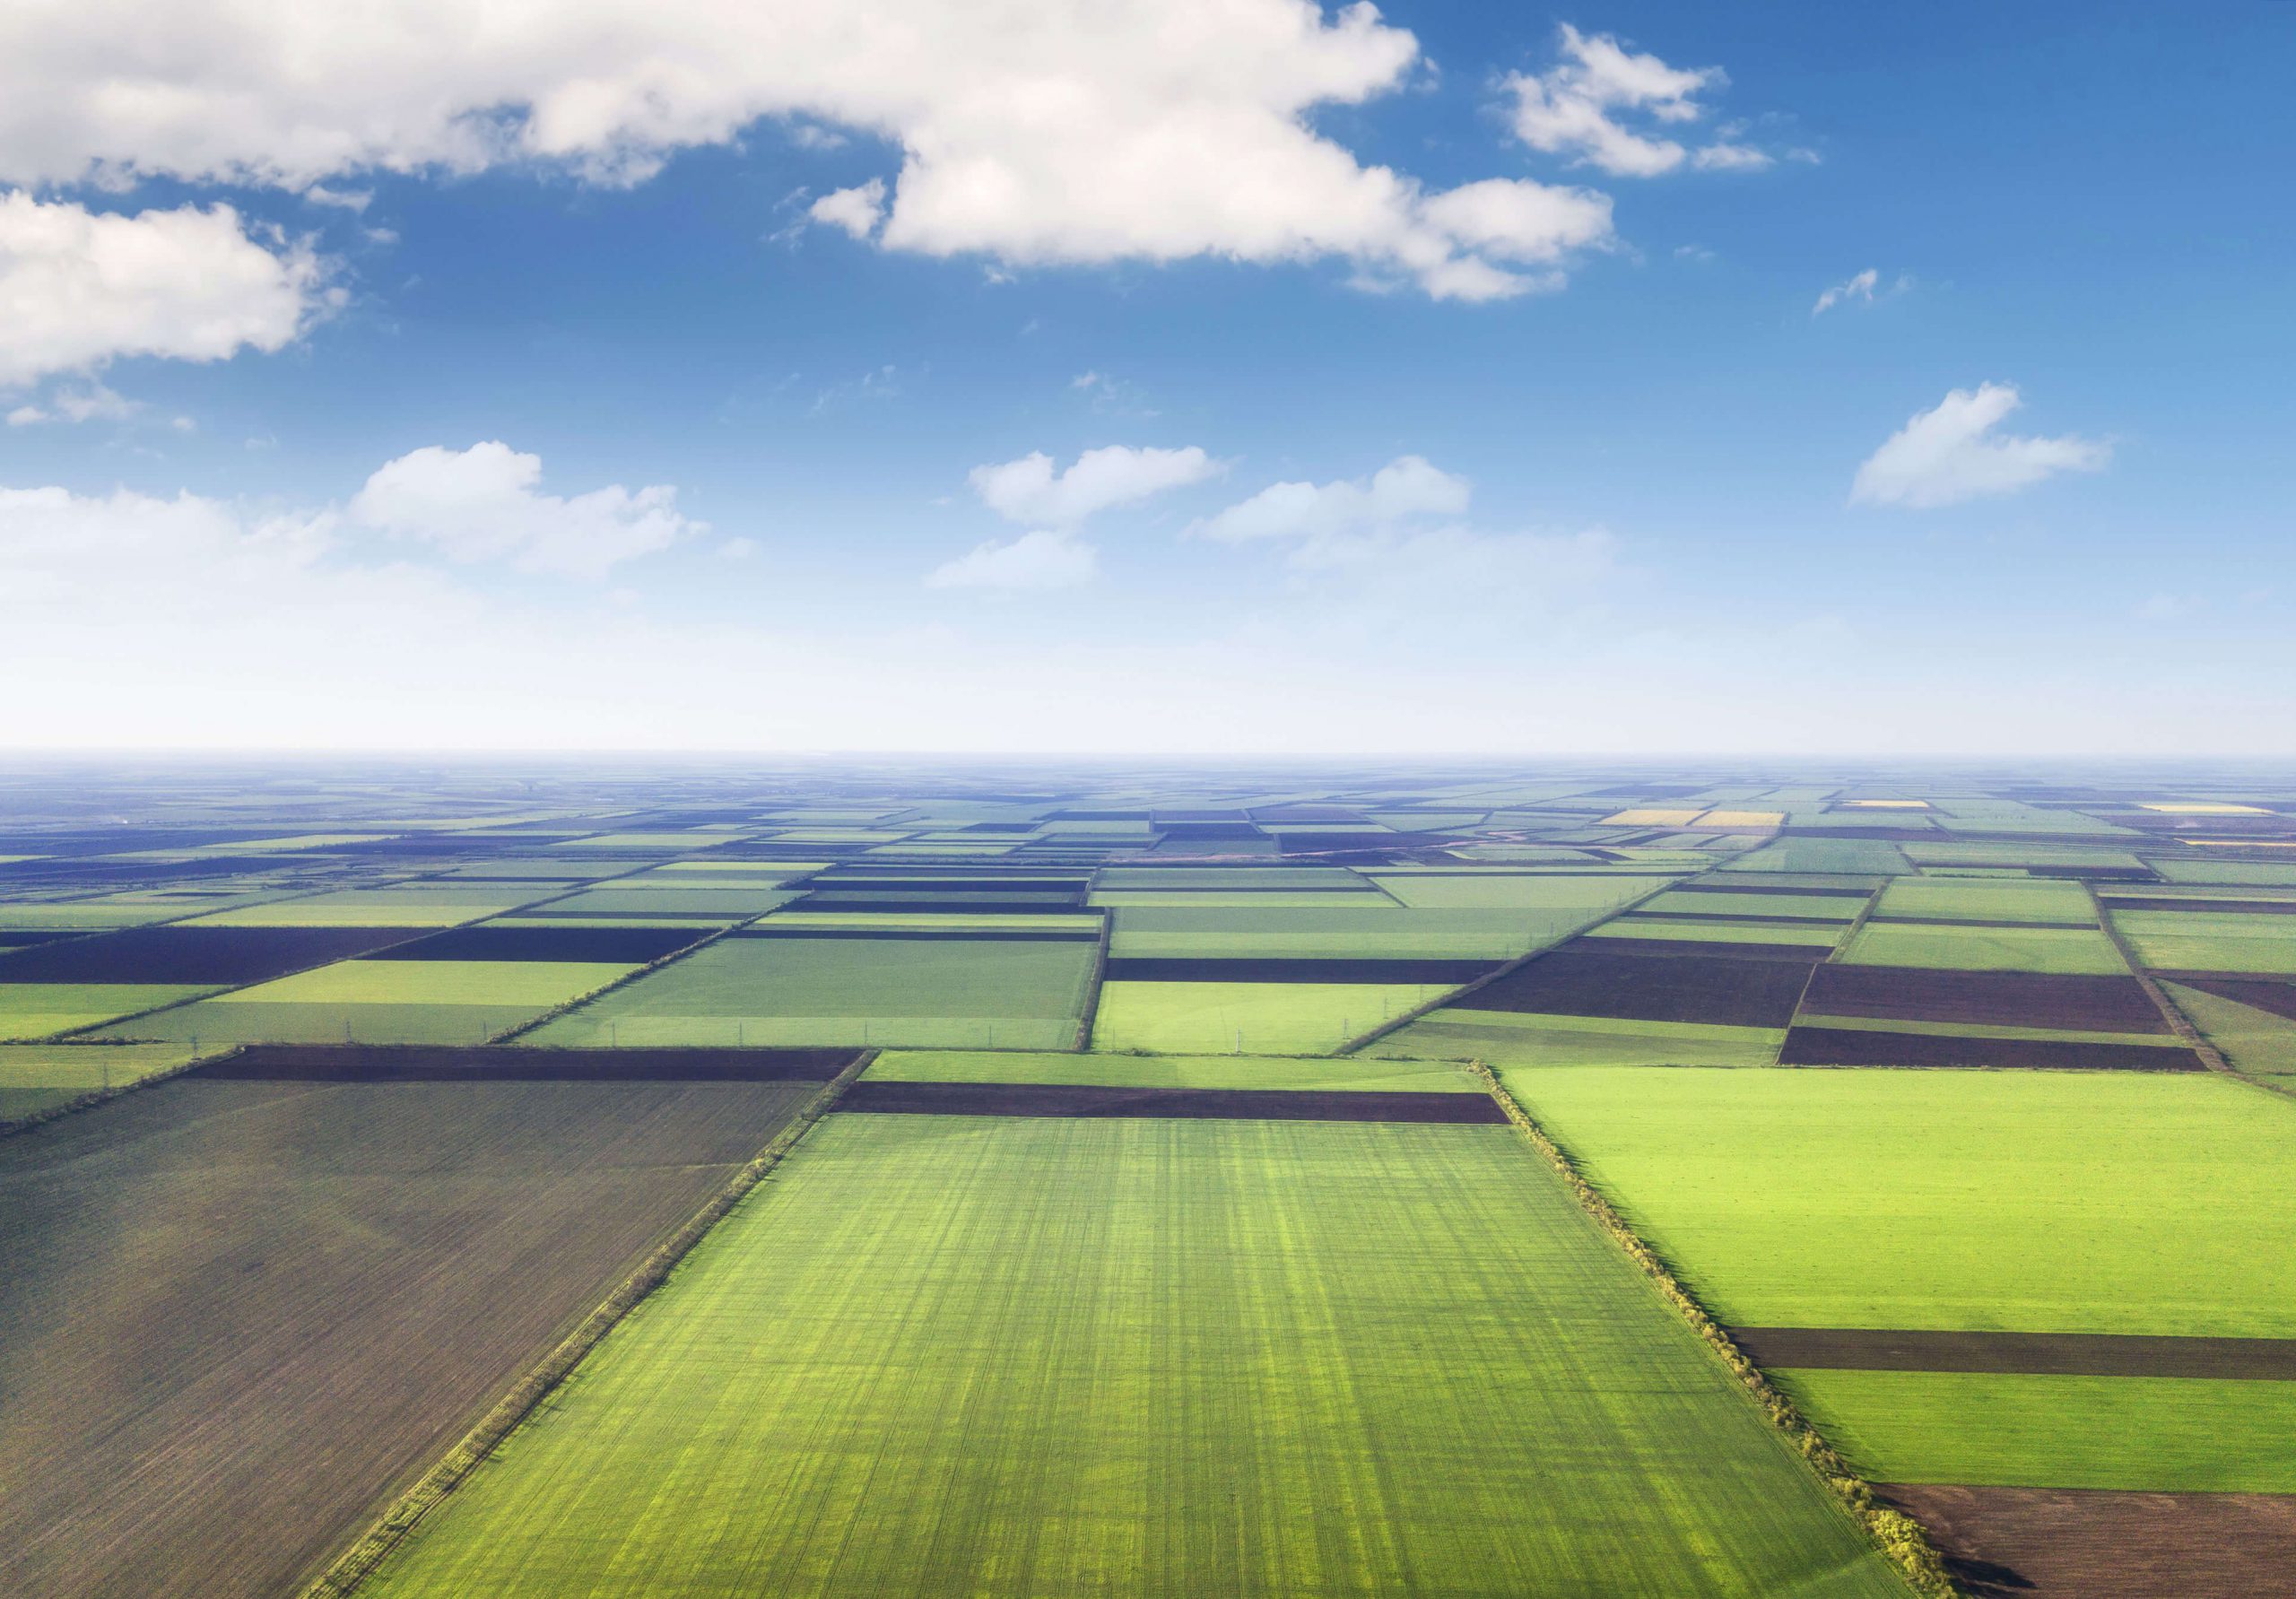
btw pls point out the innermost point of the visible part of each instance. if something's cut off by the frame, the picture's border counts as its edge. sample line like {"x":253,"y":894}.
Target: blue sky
{"x":1641,"y":526}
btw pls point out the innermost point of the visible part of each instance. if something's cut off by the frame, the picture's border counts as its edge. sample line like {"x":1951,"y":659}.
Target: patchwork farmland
{"x":1042,"y":1181}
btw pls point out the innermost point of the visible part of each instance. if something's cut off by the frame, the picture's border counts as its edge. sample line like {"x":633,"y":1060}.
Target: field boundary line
{"x":361,"y":1560}
{"x":1099,"y":976}
{"x":1451,"y":996}
{"x":1902,"y":1539}
{"x":2178,"y":1022}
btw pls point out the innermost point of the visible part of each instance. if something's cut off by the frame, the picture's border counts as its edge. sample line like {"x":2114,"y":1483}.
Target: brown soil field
{"x":237,"y":1317}
{"x":511,"y":1063}
{"x":1139,"y":968}
{"x":1230,"y":1104}
{"x":1855,"y":1047}
{"x":1576,"y":981}
{"x":231,"y":955}
{"x":2040,"y":1355}
{"x":2087,"y":1003}
{"x":2264,"y":995}
{"x":2091,"y":1543}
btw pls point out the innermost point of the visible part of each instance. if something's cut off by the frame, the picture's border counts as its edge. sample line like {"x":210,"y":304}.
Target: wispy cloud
{"x":1950,"y":454}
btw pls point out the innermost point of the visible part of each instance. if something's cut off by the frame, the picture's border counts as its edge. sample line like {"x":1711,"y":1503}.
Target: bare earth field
{"x":235,"y":1315}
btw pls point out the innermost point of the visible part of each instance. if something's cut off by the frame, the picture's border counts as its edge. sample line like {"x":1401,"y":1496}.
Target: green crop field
{"x":1172,"y":1071}
{"x":1982,"y":899}
{"x":1517,"y":1038}
{"x":1257,"y":1018}
{"x":1172,"y":1341}
{"x":2210,"y":941}
{"x":1949,"y":946}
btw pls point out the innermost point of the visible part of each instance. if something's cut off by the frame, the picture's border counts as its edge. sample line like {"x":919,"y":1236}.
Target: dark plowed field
{"x":2045,"y":1354}
{"x":1232,"y":1104}
{"x":1579,"y":981}
{"x":1802,"y":955}
{"x":621,"y":946}
{"x":2113,"y":1005}
{"x":507,"y":1063}
{"x":193,"y":954}
{"x":2264,"y":995}
{"x":235,"y":1316}
{"x":1852,"y":1047}
{"x":2091,"y":1543}
{"x":1190,"y":969}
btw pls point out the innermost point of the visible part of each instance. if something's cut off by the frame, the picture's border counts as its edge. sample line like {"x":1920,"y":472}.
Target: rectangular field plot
{"x":36,"y":1078}
{"x":442,"y":906}
{"x":42,"y":1009}
{"x":1052,"y":1357}
{"x":1262,"y":1018}
{"x":1172,"y":1071}
{"x":1019,"y":993}
{"x":1964,"y":947}
{"x":237,"y":1314}
{"x":2032,"y":1201}
{"x":2196,"y":940}
{"x":1522,"y":1037}
{"x":1987,"y":900}
{"x":382,"y":1002}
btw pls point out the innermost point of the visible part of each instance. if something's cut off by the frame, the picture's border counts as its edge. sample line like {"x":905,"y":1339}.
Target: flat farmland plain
{"x":235,"y":1315}
{"x":1056,"y":1356}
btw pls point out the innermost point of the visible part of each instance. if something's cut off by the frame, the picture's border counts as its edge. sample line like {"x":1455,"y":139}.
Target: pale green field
{"x":2072,"y":950}
{"x":2210,"y":941}
{"x":39,"y":1010}
{"x":1173,"y":1070}
{"x":1258,"y":1018}
{"x":1521,"y":1037}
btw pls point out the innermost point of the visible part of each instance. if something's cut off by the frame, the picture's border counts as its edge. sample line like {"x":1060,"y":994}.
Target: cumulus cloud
{"x":1037,"y":132}
{"x":1404,"y":487}
{"x":89,"y":401}
{"x":482,"y":504}
{"x":858,"y":210}
{"x":1950,"y":454}
{"x":1046,"y":557}
{"x":1579,"y":106}
{"x":80,"y":288}
{"x":1030,"y":490}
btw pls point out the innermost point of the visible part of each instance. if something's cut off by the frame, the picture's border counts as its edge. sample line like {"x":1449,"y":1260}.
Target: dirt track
{"x":237,"y":1314}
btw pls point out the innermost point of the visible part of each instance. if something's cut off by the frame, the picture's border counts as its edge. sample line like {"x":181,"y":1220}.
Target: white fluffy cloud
{"x":1032,"y":132}
{"x":1950,"y":453}
{"x":481,"y":504}
{"x":1030,"y":489}
{"x":1575,"y":108}
{"x":89,"y":401}
{"x":857,"y":210}
{"x":1046,"y":558}
{"x":79,"y":288}
{"x":1859,"y":286}
{"x":1404,"y":487}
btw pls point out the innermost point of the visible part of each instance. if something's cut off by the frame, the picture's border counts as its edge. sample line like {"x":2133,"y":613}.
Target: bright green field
{"x":2262,"y":874}
{"x":1025,"y":994}
{"x":2209,"y":940}
{"x":1172,"y":1071}
{"x":2156,"y":1433}
{"x":1981,"y":900}
{"x":1052,"y":1357}
{"x":1520,"y":1038}
{"x":36,"y":1010}
{"x":2013,"y":1200}
{"x":1260,"y":1018}
{"x":1939,"y":944}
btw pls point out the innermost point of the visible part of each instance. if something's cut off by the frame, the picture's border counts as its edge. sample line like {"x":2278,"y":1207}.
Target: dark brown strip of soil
{"x":503,"y":1062}
{"x":2277,"y":998}
{"x":2095,"y":1543}
{"x":2246,"y":908}
{"x":1589,"y":978}
{"x":1855,"y":1047}
{"x":2089,"y":1003}
{"x":194,"y":954}
{"x":2039,"y":1355}
{"x":1135,"y":969}
{"x":1098,"y":1099}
